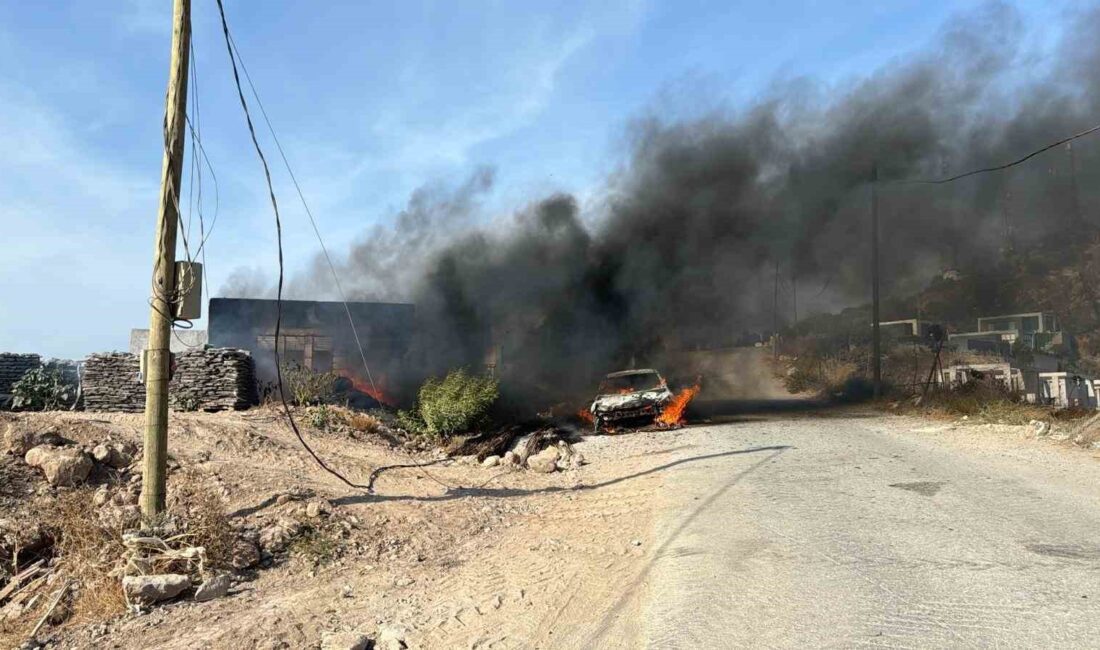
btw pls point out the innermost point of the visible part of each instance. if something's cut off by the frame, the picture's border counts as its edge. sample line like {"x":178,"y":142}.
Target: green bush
{"x":458,"y":402}
{"x":410,"y":420}
{"x":321,"y":417}
{"x":308,"y":387}
{"x":44,"y":388}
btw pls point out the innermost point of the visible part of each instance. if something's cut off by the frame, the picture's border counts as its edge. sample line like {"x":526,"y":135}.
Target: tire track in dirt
{"x":555,"y":570}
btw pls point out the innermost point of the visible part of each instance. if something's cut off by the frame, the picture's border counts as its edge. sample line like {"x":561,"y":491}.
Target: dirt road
{"x":874,"y":532}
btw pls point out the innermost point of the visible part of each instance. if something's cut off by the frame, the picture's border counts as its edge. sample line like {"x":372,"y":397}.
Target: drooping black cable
{"x":996,"y":168}
{"x":279,"y":238}
{"x":231,"y":47}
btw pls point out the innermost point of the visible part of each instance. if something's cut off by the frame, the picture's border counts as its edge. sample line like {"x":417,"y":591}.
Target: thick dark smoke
{"x":683,"y":249}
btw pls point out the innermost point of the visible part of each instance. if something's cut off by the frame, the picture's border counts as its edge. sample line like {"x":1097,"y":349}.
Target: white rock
{"x":544,"y":462}
{"x":212,"y":587}
{"x":344,"y":641}
{"x":63,"y":466}
{"x":315,"y":509}
{"x":111,"y":455}
{"x":491,"y":461}
{"x":1039,"y":428}
{"x":275,"y":537}
{"x":391,"y":637}
{"x":509,"y":458}
{"x":151,"y":589}
{"x":18,"y":439}
{"x":569,"y":458}
{"x":519,"y":449}
{"x":101,"y":496}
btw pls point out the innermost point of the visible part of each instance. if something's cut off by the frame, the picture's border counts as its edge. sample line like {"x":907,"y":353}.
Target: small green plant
{"x":410,"y":420}
{"x":321,"y":417}
{"x":317,"y":547}
{"x":307,"y":386}
{"x":459,"y":402}
{"x":44,"y":388}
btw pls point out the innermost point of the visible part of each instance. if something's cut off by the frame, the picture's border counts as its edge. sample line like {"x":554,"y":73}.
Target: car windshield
{"x":630,"y":383}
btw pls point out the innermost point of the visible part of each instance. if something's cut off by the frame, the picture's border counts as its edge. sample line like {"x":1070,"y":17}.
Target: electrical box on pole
{"x":188,"y":294}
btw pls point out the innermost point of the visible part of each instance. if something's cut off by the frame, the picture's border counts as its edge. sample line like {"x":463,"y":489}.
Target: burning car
{"x":630,"y":395}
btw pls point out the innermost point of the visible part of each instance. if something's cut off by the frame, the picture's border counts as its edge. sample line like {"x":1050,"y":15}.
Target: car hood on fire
{"x":606,"y":403}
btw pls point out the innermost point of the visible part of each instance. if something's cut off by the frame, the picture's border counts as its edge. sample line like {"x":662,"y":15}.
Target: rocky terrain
{"x":306,"y":561}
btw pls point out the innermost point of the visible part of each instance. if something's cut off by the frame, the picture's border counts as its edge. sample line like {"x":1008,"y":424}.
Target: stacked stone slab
{"x":12,"y":368}
{"x":214,"y":379}
{"x":111,"y":383}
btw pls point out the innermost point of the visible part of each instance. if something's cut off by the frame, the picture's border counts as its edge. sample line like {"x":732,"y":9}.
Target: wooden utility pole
{"x":876,"y":350}
{"x":158,"y":356}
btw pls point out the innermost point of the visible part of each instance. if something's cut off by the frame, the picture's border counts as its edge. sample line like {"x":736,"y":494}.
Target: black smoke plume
{"x":683,"y":248}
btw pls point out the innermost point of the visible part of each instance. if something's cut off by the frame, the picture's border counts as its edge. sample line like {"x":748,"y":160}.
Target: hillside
{"x":1056,"y":275}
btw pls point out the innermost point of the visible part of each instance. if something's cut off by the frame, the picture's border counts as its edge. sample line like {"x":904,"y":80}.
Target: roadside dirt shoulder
{"x":526,"y":560}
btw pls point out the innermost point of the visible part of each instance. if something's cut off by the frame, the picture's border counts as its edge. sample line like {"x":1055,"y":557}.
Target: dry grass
{"x":819,"y":374}
{"x":365,"y":422}
{"x":203,"y":515}
{"x":983,"y":402}
{"x":86,"y":551}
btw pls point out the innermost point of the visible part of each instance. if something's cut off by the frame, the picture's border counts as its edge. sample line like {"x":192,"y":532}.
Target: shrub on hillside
{"x":458,"y":402}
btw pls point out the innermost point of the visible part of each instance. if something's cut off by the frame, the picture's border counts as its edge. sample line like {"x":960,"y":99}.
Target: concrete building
{"x":907,"y":328}
{"x":1003,"y":373}
{"x":181,"y":341}
{"x":1028,"y":323}
{"x":315,"y":335}
{"x":1035,"y":331}
{"x":1065,"y":389}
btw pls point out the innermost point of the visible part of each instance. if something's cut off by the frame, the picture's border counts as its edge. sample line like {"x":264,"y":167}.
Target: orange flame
{"x":586,"y":415}
{"x":376,"y":391}
{"x":673,"y":413}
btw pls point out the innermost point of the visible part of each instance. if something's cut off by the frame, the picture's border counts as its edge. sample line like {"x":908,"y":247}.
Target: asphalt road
{"x":841,"y":532}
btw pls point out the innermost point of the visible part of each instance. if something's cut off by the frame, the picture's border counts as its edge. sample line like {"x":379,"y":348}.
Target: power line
{"x":312,"y":221}
{"x":234,"y":57}
{"x":985,"y":170}
{"x":279,"y":239}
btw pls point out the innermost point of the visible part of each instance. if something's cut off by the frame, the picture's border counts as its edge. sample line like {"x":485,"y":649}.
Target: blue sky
{"x":371,"y":101}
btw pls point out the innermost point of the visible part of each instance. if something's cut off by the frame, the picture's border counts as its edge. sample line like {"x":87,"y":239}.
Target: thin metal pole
{"x":775,"y":316}
{"x":158,"y":357}
{"x":876,"y":350}
{"x":794,"y":294}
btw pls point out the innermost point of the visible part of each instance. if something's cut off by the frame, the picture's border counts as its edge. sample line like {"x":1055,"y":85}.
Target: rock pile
{"x":111,"y":383}
{"x":63,"y":466}
{"x":213,"y":379}
{"x":12,"y":368}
